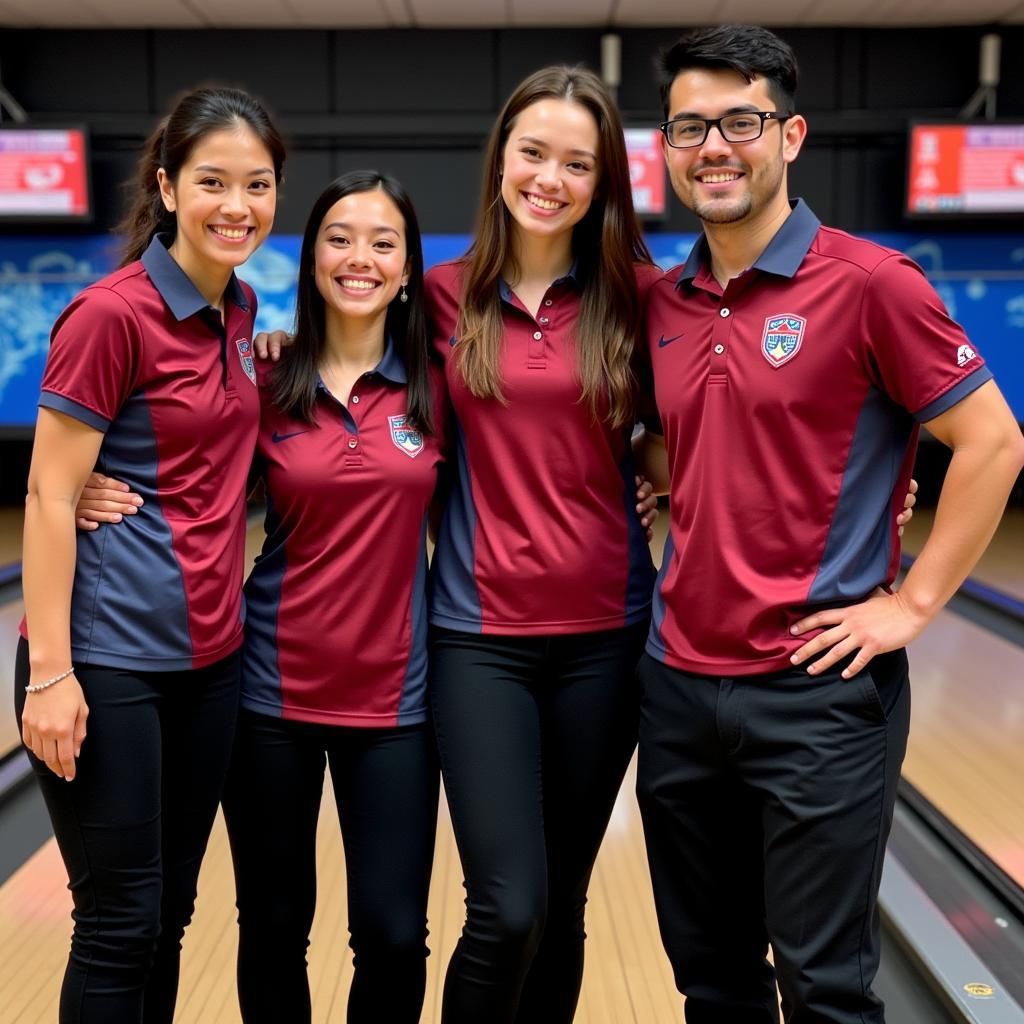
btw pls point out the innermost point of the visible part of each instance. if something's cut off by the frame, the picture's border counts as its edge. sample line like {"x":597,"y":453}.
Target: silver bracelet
{"x":49,"y":682}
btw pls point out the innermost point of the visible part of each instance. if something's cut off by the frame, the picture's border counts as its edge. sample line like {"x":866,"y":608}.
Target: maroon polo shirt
{"x":336,"y":623}
{"x":142,"y":357}
{"x":790,"y":402}
{"x":540,"y":535}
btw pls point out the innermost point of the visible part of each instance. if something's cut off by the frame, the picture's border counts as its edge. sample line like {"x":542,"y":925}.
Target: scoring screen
{"x":44,"y":174}
{"x":965,"y":169}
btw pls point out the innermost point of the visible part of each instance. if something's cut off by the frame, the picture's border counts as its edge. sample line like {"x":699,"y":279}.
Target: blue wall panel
{"x":980,"y":278}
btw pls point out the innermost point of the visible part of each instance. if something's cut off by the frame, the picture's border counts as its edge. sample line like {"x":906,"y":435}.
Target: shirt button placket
{"x":720,"y":339}
{"x":535,"y":359}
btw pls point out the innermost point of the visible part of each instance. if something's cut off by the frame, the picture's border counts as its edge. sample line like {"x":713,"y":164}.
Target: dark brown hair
{"x":606,"y":244}
{"x":294,"y":379}
{"x":749,"y":50}
{"x":195,"y":115}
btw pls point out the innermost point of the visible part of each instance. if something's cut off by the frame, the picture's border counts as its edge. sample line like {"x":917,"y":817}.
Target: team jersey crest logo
{"x":245,"y":354}
{"x":405,"y":438}
{"x":782,"y":338}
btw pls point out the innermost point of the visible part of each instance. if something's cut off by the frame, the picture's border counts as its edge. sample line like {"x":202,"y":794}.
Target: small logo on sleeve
{"x":244,"y":346}
{"x":964,"y":354}
{"x":663,"y":341}
{"x":782,"y":338}
{"x":405,"y":438}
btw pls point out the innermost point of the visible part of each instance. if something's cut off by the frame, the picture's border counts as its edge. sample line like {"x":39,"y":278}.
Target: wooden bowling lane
{"x":966,"y":752}
{"x":627,"y":978}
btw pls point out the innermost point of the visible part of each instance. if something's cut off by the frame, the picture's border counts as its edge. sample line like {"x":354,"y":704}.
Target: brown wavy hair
{"x":606,"y":244}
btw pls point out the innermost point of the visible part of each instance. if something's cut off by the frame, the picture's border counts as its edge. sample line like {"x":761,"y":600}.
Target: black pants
{"x":132,"y":829}
{"x":535,"y":734}
{"x":386,"y":787}
{"x":766,"y":803}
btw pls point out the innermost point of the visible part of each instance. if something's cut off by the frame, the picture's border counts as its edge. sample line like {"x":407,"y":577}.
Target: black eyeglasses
{"x":686,"y":132}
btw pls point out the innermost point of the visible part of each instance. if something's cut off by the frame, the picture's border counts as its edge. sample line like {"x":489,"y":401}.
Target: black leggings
{"x":132,"y":829}
{"x":386,"y":786}
{"x":535,"y":734}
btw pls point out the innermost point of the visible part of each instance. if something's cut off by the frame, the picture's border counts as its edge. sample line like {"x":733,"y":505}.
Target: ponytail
{"x":147,"y":215}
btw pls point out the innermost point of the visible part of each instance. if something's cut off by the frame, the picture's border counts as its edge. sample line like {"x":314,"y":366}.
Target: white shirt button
{"x":544,"y":320}
{"x":537,"y":335}
{"x":547,"y":302}
{"x":355,"y":399}
{"x":352,"y":442}
{"x":724,"y":311}
{"x":719,"y":349}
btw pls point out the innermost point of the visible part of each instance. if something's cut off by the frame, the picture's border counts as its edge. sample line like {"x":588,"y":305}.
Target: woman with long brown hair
{"x":542,"y":576}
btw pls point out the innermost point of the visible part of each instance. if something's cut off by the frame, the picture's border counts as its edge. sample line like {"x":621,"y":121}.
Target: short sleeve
{"x":442,"y":412}
{"x":441,"y":293}
{"x":647,"y":275}
{"x":919,"y":356}
{"x":94,"y":359}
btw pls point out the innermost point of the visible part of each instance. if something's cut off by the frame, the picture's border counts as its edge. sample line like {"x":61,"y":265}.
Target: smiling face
{"x":223,"y":199}
{"x":550,"y":167}
{"x":722,"y":182}
{"x":360,"y":259}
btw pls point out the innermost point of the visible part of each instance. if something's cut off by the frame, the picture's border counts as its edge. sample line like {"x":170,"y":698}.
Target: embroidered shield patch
{"x":782,"y":338}
{"x":244,"y":346}
{"x":405,"y":438}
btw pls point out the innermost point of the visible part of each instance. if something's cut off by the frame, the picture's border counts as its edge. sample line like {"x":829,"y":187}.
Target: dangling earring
{"x":404,"y":297}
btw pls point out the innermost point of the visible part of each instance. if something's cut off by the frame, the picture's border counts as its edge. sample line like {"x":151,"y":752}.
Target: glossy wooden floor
{"x":627,"y":978}
{"x":965,"y":755}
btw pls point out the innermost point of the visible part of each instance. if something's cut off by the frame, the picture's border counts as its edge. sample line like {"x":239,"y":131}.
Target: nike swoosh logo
{"x":278,"y":438}
{"x":663,"y":341}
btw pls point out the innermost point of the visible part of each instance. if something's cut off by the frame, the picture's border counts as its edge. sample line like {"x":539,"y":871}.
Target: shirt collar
{"x":390,"y":367}
{"x":176,"y":287}
{"x":572,"y":275}
{"x":783,"y":254}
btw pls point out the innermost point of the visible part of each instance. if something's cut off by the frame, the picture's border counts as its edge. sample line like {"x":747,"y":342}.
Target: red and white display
{"x":965,"y":169}
{"x":43,"y":173}
{"x":646,"y":170}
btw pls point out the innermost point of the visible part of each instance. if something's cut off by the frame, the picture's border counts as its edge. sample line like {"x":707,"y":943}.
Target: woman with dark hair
{"x":542,"y":578}
{"x":149,"y":376}
{"x":335,"y":657}
{"x":334,"y":664}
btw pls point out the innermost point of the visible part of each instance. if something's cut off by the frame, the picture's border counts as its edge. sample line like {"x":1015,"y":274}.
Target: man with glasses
{"x":793,"y":365}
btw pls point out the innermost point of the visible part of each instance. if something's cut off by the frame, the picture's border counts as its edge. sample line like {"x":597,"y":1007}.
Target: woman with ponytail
{"x":127,"y":675}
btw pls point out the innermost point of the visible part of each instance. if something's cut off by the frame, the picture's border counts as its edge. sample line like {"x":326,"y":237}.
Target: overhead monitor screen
{"x":646,"y":171}
{"x":965,"y":170}
{"x":44,"y":174}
